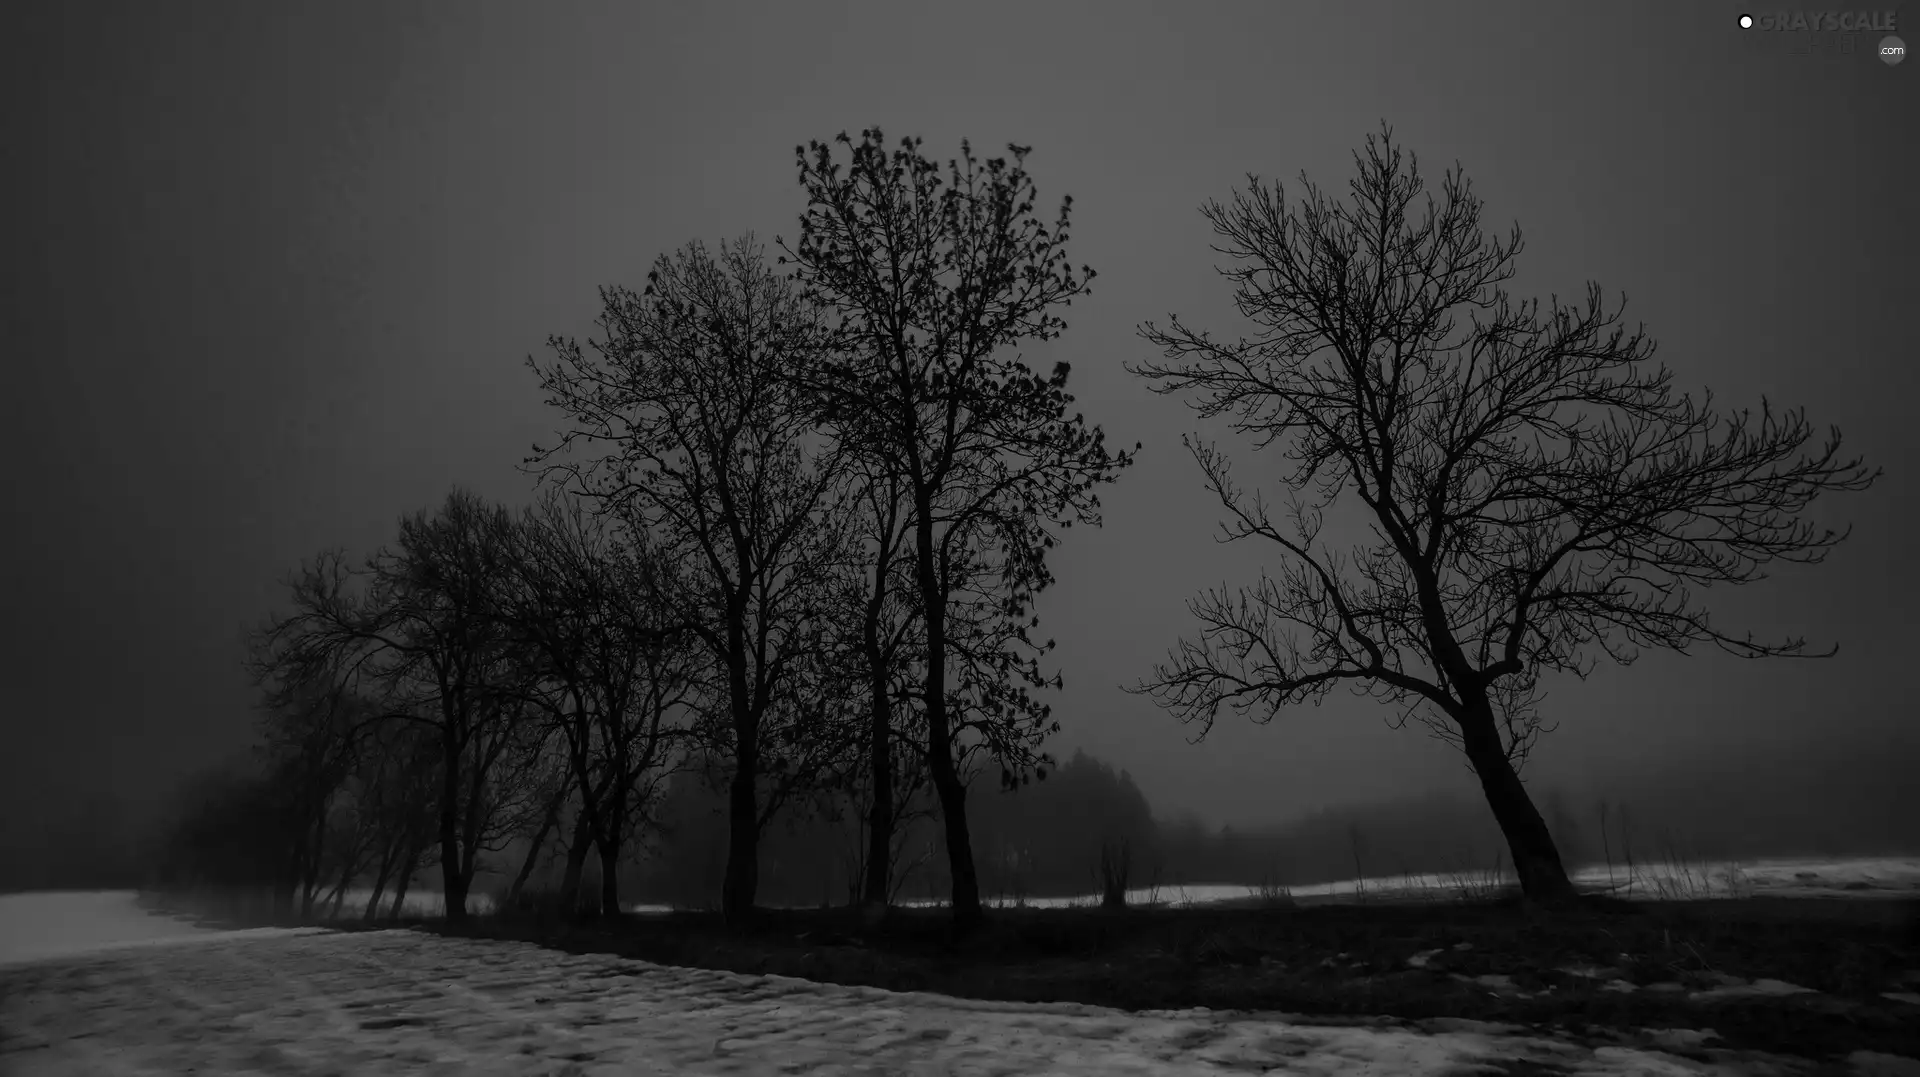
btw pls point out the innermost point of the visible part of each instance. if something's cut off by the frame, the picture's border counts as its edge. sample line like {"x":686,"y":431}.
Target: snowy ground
{"x":1667,"y":880}
{"x":91,"y":985}
{"x":1869,"y":877}
{"x":407,"y":1002}
{"x":1859,"y":878}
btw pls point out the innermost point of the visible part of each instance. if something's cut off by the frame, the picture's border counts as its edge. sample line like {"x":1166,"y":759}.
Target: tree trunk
{"x":609,"y":881}
{"x":309,"y":889}
{"x":880,"y":768}
{"x":547,"y":823}
{"x":742,"y":881}
{"x":453,"y":887}
{"x":946,"y":779}
{"x":405,"y":879}
{"x":310,"y":874}
{"x":380,"y":884}
{"x":348,"y":870}
{"x":611,"y":837}
{"x":576,"y":863}
{"x":1535,"y":859}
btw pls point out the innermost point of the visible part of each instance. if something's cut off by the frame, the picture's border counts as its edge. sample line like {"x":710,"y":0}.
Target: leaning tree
{"x":1533,"y":485}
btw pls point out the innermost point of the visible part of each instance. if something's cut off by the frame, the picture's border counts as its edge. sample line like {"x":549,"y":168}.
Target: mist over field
{"x":1082,"y":537}
{"x":286,"y":270}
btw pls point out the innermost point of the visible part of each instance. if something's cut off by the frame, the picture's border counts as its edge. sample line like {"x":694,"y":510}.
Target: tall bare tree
{"x":1532,"y":483}
{"x":399,"y":779}
{"x":883,"y":645}
{"x":705,"y":440}
{"x":310,"y":720}
{"x":599,"y":617}
{"x":933,"y":284}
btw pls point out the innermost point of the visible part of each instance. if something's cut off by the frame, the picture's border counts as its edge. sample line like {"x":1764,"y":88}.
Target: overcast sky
{"x":281,"y":267}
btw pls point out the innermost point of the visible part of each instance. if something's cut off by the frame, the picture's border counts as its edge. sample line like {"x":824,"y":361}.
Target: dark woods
{"x":769,"y":633}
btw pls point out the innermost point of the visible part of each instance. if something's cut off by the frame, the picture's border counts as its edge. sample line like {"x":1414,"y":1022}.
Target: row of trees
{"x":791,"y":528}
{"x":1041,"y":839}
{"x":1047,"y":839}
{"x":794,"y":526}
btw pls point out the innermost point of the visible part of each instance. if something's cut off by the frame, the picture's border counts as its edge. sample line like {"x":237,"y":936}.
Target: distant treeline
{"x":1045,"y":839}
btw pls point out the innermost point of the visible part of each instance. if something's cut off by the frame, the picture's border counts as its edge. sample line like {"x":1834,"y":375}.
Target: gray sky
{"x":281,"y":266}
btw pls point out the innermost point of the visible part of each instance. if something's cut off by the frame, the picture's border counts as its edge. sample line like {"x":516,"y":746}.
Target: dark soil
{"x":1333,"y":961}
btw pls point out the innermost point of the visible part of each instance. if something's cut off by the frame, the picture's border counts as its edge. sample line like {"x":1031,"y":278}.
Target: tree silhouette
{"x":882,"y":647}
{"x":420,"y":628}
{"x":610,"y":662}
{"x":932,"y":283}
{"x":1533,"y":484}
{"x":708,"y":443}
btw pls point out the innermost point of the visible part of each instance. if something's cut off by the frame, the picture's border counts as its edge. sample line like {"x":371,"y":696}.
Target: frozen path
{"x":395,"y":1002}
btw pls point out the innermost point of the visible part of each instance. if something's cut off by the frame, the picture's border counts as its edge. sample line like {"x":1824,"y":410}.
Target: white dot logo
{"x":1746,"y":22}
{"x":1892,"y":50}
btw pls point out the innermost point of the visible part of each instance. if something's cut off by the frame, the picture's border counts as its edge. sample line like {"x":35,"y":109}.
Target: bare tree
{"x":400,"y":779}
{"x":599,"y":618}
{"x":932,"y":286}
{"x":883,"y":647}
{"x":707,"y":443}
{"x":422,"y":622}
{"x":1532,"y":483}
{"x":558,"y":788}
{"x":309,"y":722}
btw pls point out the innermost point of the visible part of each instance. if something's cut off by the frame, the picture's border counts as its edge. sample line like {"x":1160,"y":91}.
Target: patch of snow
{"x":406,"y":1001}
{"x":1762,"y":988}
{"x":1875,"y":1064}
{"x":46,"y":925}
{"x":1499,"y":981}
{"x":1683,"y":1039}
{"x":1866,"y":877}
{"x":1626,"y":1061}
{"x":1590,"y":972}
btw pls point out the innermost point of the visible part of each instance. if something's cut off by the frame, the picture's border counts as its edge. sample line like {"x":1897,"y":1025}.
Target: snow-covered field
{"x":407,"y":1002}
{"x":1869,"y":877}
{"x":92,"y":985}
{"x":1860,"y":878}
